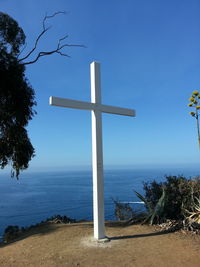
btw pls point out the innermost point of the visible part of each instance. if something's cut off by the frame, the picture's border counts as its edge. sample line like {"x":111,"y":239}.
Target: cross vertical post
{"x":97,"y":153}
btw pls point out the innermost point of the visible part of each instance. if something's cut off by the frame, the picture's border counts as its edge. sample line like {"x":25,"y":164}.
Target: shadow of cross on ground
{"x":140,"y":235}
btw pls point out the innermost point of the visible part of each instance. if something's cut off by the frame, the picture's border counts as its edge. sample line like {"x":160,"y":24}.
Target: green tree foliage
{"x":17,"y":99}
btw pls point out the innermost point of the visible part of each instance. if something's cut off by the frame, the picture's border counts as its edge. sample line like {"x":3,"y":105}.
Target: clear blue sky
{"x":150,"y":60}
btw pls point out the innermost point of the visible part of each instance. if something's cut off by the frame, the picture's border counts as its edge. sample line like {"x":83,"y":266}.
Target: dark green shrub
{"x":11,"y":233}
{"x":180,"y":192}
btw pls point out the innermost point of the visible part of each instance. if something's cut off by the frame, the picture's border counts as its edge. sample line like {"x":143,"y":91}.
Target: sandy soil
{"x":73,"y":245}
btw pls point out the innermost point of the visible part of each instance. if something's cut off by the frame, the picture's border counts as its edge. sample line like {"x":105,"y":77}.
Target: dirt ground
{"x":73,"y":245}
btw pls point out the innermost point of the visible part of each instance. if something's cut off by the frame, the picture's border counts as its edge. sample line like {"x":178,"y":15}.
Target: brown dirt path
{"x":72,"y":245}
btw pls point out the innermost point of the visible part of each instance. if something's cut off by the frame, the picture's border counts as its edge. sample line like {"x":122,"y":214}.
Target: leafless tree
{"x":57,"y":50}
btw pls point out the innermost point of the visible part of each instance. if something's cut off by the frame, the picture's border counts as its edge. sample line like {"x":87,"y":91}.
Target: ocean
{"x":37,"y":196}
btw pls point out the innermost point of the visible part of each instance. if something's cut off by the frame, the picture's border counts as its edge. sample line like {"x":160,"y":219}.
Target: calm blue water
{"x":36,"y":196}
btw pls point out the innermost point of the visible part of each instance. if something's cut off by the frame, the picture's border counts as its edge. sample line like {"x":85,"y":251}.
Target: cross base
{"x":103,"y":240}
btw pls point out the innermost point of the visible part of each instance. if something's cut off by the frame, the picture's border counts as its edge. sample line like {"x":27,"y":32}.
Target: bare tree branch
{"x":46,"y":53}
{"x":25,"y":45}
{"x":35,"y":46}
{"x":51,"y":16}
{"x":61,"y":39}
{"x":41,"y":54}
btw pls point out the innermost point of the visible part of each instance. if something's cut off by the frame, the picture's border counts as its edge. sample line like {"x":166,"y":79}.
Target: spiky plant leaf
{"x":159,"y":207}
{"x":147,"y":204}
{"x":152,"y":212}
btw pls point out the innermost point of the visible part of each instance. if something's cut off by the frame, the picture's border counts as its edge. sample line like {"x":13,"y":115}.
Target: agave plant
{"x":194,"y":215}
{"x":153,"y":211}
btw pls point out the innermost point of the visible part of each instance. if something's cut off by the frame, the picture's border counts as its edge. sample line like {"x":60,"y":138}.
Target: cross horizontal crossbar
{"x":65,"y":102}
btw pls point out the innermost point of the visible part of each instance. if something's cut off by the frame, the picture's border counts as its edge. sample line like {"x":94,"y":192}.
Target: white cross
{"x":97,"y":152}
